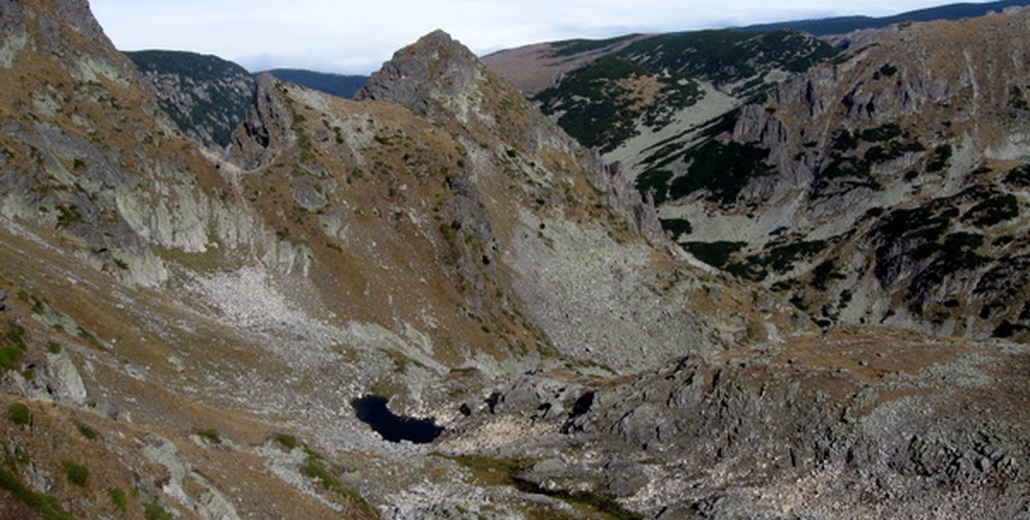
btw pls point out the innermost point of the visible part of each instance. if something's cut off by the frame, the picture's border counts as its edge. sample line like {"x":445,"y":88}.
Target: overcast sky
{"x":356,"y":37}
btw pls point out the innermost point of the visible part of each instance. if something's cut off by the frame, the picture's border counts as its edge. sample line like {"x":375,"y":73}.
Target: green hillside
{"x":338,"y":85}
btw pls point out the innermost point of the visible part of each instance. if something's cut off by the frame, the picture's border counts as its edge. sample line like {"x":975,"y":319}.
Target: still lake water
{"x":372,"y":410}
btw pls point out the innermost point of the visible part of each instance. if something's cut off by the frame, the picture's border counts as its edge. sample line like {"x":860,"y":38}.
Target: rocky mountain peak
{"x":257,"y":138}
{"x":435,"y":72}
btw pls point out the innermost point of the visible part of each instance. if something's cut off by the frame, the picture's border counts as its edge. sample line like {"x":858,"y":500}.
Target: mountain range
{"x":700,"y":275}
{"x":847,"y":24}
{"x":860,"y":192}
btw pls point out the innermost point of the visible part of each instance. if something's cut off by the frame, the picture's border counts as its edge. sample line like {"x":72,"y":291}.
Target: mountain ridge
{"x":340,"y":85}
{"x":725,"y":196}
{"x":192,"y":333}
{"x":847,"y":24}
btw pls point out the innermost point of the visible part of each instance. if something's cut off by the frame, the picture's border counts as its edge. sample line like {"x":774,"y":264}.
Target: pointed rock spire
{"x":429,"y":74}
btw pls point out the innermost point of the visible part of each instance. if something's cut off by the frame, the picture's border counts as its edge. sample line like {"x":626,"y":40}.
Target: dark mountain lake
{"x":372,"y":410}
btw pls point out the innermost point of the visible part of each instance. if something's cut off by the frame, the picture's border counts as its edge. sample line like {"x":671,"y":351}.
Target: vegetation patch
{"x":16,"y":336}
{"x":90,"y":338}
{"x":721,"y":170}
{"x":656,"y":183}
{"x":287,"y":441}
{"x":783,"y":257}
{"x":118,"y":498}
{"x":10,"y":357}
{"x":76,"y":473}
{"x":155,"y":512}
{"x":49,"y":507}
{"x":507,"y":472}
{"x":939,"y":160}
{"x":338,"y":85}
{"x":886,"y":71}
{"x":579,"y":46}
{"x":600,"y":107}
{"x":727,"y":56}
{"x":19,"y":414}
{"x":1018,"y":177}
{"x":315,"y":469}
{"x":780,"y":259}
{"x":854,"y":155}
{"x":843,"y":140}
{"x":676,"y":226}
{"x":1007,"y":329}
{"x":823,"y":273}
{"x":993,"y":211}
{"x":86,"y":431}
{"x":881,"y":133}
{"x":219,"y":109}
{"x":1017,"y":99}
{"x":715,"y":254}
{"x":210,"y":434}
{"x":928,"y":222}
{"x":917,"y":236}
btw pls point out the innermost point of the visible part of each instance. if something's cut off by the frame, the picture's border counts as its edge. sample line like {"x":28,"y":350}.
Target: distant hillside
{"x":641,"y":85}
{"x":333,"y":84}
{"x":882,"y":184}
{"x":846,"y":24}
{"x":205,"y":95}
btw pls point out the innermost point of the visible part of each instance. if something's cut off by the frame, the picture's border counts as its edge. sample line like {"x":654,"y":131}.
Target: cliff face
{"x":199,"y":335}
{"x":886,"y":185}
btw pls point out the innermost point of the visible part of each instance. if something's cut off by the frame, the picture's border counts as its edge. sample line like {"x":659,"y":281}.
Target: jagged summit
{"x":435,"y":71}
{"x":261,"y":133}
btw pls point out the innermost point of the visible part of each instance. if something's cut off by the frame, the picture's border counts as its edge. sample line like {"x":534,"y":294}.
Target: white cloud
{"x":356,"y":37}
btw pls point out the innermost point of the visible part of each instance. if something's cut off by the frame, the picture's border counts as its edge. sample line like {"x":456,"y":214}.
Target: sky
{"x":356,"y":37}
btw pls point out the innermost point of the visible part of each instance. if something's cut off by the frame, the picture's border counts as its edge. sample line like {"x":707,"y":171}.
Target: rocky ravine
{"x":188,"y":335}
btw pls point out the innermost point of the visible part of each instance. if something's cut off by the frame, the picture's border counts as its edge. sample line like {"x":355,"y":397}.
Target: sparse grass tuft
{"x":317,"y":471}
{"x":49,"y":507}
{"x":9,"y":357}
{"x":118,"y":499}
{"x":86,"y":431}
{"x":19,"y":414}
{"x":90,"y":338}
{"x":155,"y":512}
{"x":287,"y":441}
{"x":210,"y":434}
{"x":16,"y":335}
{"x":76,"y":473}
